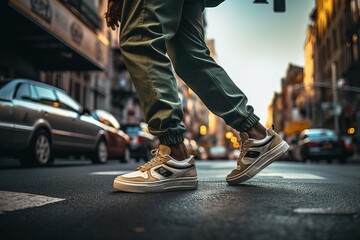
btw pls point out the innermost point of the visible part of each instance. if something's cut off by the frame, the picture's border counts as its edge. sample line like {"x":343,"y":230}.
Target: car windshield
{"x":3,"y":83}
{"x":132,"y":130}
{"x":321,"y":134}
{"x":7,"y":89}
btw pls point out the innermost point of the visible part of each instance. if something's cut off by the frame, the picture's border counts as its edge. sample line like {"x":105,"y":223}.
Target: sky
{"x":255,"y":45}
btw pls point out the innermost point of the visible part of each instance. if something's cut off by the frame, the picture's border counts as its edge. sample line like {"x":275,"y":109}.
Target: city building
{"x":327,"y":94}
{"x":330,"y":63}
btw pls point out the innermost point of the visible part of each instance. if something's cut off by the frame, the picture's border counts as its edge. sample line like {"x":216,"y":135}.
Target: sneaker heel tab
{"x":270,"y":132}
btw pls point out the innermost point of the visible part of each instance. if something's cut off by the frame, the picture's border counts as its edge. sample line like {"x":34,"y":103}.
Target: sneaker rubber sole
{"x":261,"y":163}
{"x":185,"y":183}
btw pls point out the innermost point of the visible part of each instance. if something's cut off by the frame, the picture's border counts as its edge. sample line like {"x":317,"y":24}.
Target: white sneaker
{"x":162,"y":173}
{"x":255,"y":155}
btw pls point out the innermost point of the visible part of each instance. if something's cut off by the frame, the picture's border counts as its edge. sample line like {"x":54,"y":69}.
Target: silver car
{"x":39,"y":122}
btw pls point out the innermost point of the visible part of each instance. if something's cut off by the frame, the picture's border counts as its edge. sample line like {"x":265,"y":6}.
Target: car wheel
{"x":39,"y":152}
{"x":126,"y":156}
{"x":101,"y":152}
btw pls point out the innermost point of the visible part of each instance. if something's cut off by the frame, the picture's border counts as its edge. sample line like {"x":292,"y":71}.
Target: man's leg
{"x":192,"y":62}
{"x":146,"y":26}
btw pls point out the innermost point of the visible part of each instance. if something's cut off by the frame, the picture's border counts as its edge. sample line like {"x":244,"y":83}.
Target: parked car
{"x":217,"y":152}
{"x":141,"y":141}
{"x":319,"y":143}
{"x":118,"y":141}
{"x":39,"y":122}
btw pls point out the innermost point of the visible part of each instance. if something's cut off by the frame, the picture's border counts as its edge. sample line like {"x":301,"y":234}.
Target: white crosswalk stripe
{"x":11,"y":201}
{"x":109,"y":173}
{"x":290,"y":175}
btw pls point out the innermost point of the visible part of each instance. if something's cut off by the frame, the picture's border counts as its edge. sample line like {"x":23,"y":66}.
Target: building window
{"x":59,"y":81}
{"x":84,"y":102}
{"x":355,"y":45}
{"x":340,"y":32}
{"x":354,"y":5}
{"x":328,"y":49}
{"x":335,"y":39}
{"x":77,"y":92}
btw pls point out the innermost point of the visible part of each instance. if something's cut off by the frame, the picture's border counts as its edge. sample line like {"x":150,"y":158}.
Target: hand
{"x":113,"y":14}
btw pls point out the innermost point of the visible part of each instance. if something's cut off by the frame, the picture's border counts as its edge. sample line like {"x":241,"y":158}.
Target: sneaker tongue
{"x":164,"y":150}
{"x":244,"y":136}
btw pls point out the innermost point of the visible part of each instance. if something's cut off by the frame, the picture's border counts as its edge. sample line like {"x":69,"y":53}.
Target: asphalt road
{"x":75,"y":200}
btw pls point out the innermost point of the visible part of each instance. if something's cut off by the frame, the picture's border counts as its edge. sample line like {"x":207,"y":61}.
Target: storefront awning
{"x":51,"y":36}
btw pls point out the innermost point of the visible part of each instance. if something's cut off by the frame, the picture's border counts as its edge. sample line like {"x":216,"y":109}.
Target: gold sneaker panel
{"x":137,"y":179}
{"x":161,"y":155}
{"x":238,"y":170}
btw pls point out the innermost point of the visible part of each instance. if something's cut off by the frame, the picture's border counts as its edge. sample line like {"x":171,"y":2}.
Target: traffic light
{"x":279,"y":6}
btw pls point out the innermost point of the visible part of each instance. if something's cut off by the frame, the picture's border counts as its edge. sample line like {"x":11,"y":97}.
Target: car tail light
{"x":311,"y":144}
{"x":139,"y":139}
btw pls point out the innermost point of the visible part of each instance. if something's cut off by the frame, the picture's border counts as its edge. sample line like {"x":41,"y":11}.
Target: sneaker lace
{"x":244,"y":148}
{"x":156,"y":160}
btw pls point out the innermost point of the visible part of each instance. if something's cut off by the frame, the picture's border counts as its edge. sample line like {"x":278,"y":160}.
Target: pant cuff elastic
{"x":248,"y":123}
{"x":172,"y":139}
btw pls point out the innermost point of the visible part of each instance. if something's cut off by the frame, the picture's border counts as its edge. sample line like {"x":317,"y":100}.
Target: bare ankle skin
{"x":179,"y":151}
{"x":258,"y":131}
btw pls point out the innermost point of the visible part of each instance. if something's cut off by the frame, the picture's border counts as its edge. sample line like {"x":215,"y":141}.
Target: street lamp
{"x":335,"y":97}
{"x":229,"y":135}
{"x":203,"y":130}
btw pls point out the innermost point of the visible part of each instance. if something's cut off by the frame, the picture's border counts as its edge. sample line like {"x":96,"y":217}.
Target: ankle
{"x":258,"y":131}
{"x":179,"y":151}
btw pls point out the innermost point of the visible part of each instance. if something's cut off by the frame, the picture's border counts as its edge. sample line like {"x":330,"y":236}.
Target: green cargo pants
{"x":152,"y":31}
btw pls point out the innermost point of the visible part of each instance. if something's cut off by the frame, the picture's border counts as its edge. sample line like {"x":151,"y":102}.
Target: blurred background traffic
{"x":65,"y":91}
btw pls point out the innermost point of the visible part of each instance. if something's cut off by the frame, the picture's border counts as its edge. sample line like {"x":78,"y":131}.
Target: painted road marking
{"x":109,"y":173}
{"x":11,"y":201}
{"x":329,"y":210}
{"x":291,"y":175}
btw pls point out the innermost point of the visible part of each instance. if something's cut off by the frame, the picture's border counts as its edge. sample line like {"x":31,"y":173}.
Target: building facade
{"x":329,"y":95}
